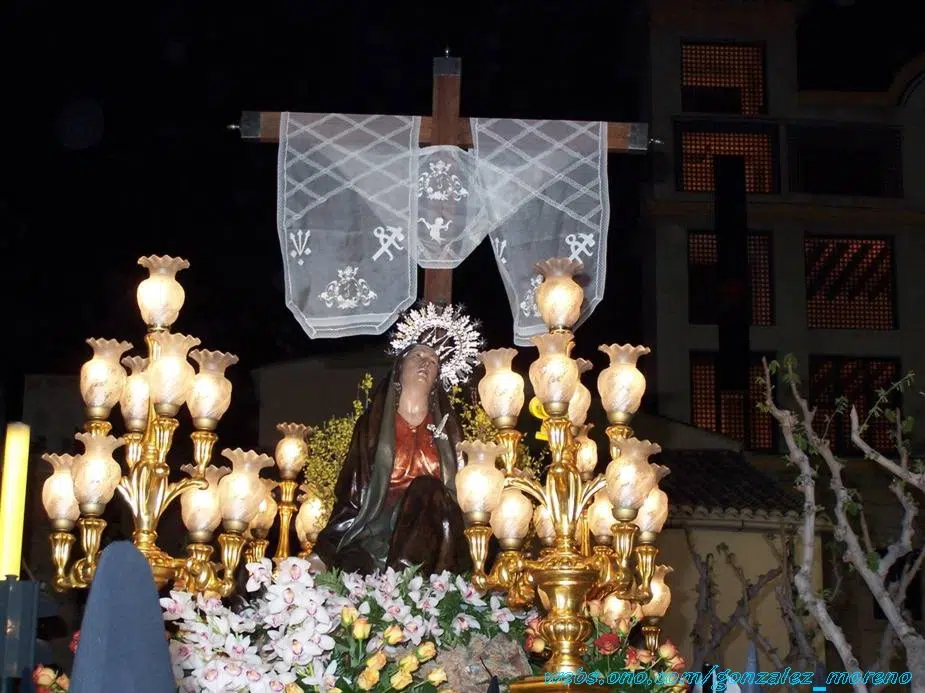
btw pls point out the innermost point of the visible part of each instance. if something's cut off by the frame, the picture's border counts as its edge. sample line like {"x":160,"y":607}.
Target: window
{"x":728,"y":413}
{"x":849,"y":283}
{"x":723,"y":78}
{"x":863,"y":160}
{"x":857,"y":379}
{"x":699,"y":142}
{"x":703,"y":277}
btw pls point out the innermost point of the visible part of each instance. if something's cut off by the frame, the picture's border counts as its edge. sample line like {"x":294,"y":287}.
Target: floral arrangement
{"x":613,"y":661}
{"x":48,"y":680}
{"x":330,"y":632}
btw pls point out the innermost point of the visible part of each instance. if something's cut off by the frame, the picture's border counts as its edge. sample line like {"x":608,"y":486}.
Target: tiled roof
{"x":722,"y":483}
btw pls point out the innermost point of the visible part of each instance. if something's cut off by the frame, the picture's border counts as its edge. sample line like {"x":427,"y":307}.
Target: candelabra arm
{"x":134,"y":448}
{"x":255,"y":550}
{"x":287,"y":508}
{"x":563,"y":489}
{"x":617,"y":432}
{"x":91,"y":536}
{"x":197,"y":573}
{"x":477,"y":536}
{"x":231,"y":545}
{"x":509,"y":439}
{"x":125,"y":489}
{"x":306,"y":547}
{"x":528,"y":486}
{"x":508,"y":575}
{"x":624,"y":540}
{"x":203,"y":447}
{"x":590,"y":489}
{"x":61,"y":544}
{"x":558,"y":432}
{"x":651,"y":633}
{"x":602,"y":560}
{"x":645,"y":569}
{"x":178,"y":488}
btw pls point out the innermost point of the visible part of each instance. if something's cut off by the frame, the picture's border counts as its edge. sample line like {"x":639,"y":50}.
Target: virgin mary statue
{"x":395,"y":500}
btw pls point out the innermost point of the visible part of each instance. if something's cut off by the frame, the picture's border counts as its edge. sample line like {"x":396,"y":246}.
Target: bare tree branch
{"x":901,"y":470}
{"x":872,"y":569}
{"x":710,"y":630}
{"x":807,"y":484}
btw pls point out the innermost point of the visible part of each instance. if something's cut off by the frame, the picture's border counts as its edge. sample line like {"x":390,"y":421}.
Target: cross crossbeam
{"x":628,"y":138}
{"x":445,"y":127}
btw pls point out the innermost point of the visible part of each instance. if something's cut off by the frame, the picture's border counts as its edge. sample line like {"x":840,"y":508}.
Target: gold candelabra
{"x":597,"y":533}
{"x":150,"y":396}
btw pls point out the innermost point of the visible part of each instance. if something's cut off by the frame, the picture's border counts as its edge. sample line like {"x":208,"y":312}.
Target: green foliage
{"x":881,"y":409}
{"x":477,"y":426}
{"x":329,"y":445}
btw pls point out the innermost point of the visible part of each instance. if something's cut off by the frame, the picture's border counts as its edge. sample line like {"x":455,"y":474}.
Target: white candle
{"x":13,"y":498}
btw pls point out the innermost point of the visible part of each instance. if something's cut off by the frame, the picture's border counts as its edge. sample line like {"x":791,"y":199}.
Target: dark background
{"x":116,"y":146}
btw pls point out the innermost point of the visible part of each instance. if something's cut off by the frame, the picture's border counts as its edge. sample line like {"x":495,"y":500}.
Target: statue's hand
{"x":315,"y":564}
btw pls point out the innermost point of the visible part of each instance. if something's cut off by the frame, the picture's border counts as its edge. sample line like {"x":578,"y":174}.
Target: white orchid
{"x":415,"y":629}
{"x":324,"y":678}
{"x":178,"y":606}
{"x":259,"y":574}
{"x":442,"y":583}
{"x":292,"y":627}
{"x":464,"y":622}
{"x":396,"y":610}
{"x":501,"y":615}
{"x":469,"y":594}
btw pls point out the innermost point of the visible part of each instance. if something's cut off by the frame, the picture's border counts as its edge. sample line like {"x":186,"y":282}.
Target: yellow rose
{"x":393,"y":635}
{"x":409,"y":663}
{"x":401,"y":679}
{"x":623,"y":626}
{"x":537,"y":645}
{"x":367,"y":679}
{"x":348,"y":615}
{"x":361,"y":628}
{"x":334,"y":690}
{"x":292,"y":688}
{"x":437,"y":676}
{"x":63,"y":681}
{"x":426,"y":651}
{"x":667,"y":650}
{"x":377,"y":661}
{"x":44,"y":677}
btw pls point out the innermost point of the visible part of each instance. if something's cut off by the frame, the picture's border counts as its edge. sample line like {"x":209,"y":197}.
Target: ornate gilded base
{"x":537,"y":684}
{"x":163,"y":565}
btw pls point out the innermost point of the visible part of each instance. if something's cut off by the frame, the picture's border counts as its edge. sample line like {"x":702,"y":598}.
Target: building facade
{"x":836,"y":213}
{"x":835,"y":185}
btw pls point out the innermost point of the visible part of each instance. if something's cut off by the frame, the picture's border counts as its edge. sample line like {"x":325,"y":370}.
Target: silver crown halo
{"x":449,"y":332}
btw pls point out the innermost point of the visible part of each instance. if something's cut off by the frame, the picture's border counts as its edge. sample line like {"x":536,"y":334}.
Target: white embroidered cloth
{"x":545,"y":187}
{"x":361,"y":206}
{"x":346,"y":217}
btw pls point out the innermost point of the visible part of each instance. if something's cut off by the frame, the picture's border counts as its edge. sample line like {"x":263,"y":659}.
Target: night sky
{"x":116,"y":145}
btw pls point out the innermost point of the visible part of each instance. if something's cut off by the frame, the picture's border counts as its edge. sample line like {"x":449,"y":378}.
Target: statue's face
{"x":420,"y":368}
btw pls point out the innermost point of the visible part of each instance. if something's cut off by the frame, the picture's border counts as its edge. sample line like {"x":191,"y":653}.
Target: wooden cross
{"x":446,"y":127}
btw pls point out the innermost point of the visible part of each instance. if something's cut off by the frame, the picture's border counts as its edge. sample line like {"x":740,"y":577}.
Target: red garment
{"x":415,"y":455}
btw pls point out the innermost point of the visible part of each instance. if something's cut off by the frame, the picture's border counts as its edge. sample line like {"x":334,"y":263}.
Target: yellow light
{"x":13,"y":498}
